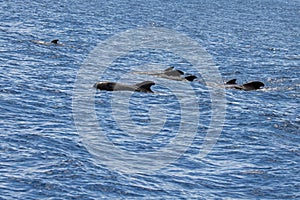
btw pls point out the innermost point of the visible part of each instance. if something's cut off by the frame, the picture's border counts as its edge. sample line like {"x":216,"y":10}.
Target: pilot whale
{"x":113,"y":86}
{"x":170,"y":73}
{"x":254,"y":85}
{"x":53,"y":42}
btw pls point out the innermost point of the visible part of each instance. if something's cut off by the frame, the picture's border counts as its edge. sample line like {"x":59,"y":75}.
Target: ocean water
{"x":46,"y":154}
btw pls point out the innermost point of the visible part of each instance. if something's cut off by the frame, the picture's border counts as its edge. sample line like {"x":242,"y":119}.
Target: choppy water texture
{"x":42,"y":155}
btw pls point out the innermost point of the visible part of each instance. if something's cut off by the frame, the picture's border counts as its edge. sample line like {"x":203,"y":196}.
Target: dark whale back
{"x":174,"y":72}
{"x":253,"y":85}
{"x":112,"y":86}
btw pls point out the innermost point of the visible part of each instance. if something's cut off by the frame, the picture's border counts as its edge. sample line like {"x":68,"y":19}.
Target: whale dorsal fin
{"x":231,"y":82}
{"x":54,"y":41}
{"x":254,"y":85}
{"x":190,"y":77}
{"x":145,"y":86}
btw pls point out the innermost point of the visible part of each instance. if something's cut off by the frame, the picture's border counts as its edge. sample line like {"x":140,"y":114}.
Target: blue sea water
{"x":43,"y":156}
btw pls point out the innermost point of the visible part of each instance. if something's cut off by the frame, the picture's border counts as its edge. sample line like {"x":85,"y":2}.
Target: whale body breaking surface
{"x":113,"y":86}
{"x":254,"y":85}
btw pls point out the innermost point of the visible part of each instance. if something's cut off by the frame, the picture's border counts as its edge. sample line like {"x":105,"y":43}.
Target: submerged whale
{"x":113,"y":86}
{"x":254,"y":85}
{"x":170,"y":73}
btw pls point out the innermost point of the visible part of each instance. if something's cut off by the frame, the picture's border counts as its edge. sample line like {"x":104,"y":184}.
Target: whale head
{"x":109,"y":86}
